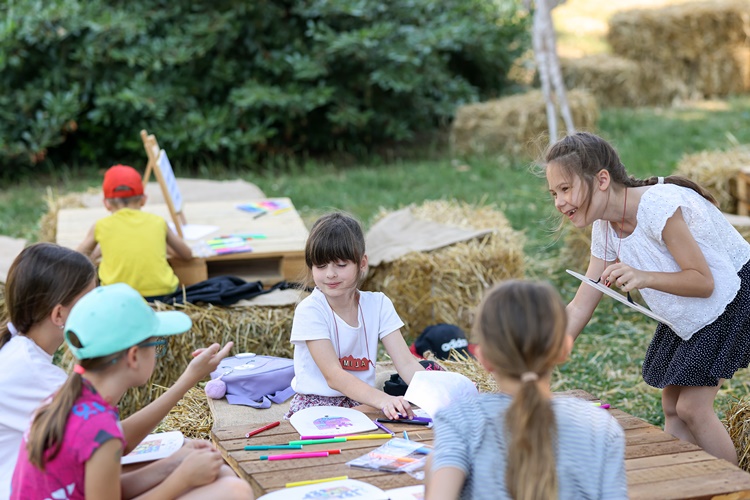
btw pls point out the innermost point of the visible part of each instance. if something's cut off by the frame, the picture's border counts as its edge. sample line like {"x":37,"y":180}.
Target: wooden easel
{"x":159,"y":164}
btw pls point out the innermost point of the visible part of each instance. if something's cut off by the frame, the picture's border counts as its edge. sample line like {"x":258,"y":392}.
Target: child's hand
{"x":625,"y":277}
{"x":393,"y":405}
{"x":200,"y":466}
{"x":190,"y":445}
{"x":206,"y":360}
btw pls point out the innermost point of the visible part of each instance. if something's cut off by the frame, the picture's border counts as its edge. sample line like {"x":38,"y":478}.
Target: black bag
{"x":221,"y":291}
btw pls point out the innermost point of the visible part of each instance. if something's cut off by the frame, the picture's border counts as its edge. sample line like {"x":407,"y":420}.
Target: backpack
{"x":255,"y":380}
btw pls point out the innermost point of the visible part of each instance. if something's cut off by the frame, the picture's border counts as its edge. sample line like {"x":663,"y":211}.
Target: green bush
{"x":234,"y":81}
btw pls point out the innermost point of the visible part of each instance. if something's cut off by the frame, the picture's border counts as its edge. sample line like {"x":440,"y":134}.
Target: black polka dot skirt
{"x":714,"y":352}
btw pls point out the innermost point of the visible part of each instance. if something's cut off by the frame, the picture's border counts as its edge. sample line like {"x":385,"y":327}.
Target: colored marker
{"x":421,"y":419}
{"x":294,"y":456}
{"x":319,"y":441}
{"x":309,"y":438}
{"x":274,"y":447}
{"x":330,"y":452}
{"x":604,"y":406}
{"x":383,"y":427}
{"x":264,"y":428}
{"x":368,"y":436}
{"x":316,"y":481}
{"x":406,"y":436}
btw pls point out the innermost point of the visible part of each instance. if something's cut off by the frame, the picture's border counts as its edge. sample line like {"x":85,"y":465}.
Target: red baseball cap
{"x":122,"y":181}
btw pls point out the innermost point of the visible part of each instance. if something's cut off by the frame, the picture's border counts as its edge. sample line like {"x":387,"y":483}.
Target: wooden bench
{"x":279,"y":256}
{"x":659,"y":466}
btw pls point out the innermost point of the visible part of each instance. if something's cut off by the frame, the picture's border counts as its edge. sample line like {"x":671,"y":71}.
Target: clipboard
{"x":620,"y":298}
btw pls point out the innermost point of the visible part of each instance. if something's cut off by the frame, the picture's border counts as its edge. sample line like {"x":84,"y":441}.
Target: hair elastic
{"x":661,"y":180}
{"x":529,"y":377}
{"x":79,"y":369}
{"x":12,"y":329}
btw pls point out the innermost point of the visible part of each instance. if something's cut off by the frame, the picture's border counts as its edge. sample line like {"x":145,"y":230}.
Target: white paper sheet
{"x":194,"y":231}
{"x":433,"y":390}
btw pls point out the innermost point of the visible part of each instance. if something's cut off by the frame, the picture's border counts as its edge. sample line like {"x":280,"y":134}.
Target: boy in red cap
{"x":133,"y":243}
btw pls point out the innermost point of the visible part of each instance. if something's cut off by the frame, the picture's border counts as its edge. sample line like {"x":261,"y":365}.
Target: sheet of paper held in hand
{"x":620,"y":298}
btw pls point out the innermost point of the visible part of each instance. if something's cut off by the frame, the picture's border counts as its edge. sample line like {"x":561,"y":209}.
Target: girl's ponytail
{"x":521,"y":330}
{"x":48,"y":429}
{"x":5,"y":335}
{"x":530,"y":423}
{"x":672,"y":179}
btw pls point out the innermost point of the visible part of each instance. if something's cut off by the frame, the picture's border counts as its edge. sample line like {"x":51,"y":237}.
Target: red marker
{"x":264,"y":428}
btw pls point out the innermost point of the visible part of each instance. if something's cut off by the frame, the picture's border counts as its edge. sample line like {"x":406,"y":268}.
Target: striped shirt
{"x":590,"y":455}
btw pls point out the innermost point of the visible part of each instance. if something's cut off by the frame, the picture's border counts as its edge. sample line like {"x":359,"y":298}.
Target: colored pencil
{"x":264,"y":428}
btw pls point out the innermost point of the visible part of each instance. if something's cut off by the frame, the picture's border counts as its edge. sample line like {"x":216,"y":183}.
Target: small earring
{"x":62,"y":326}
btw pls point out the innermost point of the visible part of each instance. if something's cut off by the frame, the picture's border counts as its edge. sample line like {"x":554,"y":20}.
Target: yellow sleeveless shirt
{"x":134,"y":251}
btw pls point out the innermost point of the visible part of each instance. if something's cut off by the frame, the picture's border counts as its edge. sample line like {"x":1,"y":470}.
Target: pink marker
{"x":292,"y":456}
{"x":605,"y":406}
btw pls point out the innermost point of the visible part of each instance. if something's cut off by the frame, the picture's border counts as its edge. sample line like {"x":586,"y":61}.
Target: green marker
{"x":318,"y":441}
{"x":274,"y":447}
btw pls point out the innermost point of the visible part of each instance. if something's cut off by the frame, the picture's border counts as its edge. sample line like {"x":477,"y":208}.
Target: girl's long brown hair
{"x":521,"y":329}
{"x":584,"y":154}
{"x":41,"y":277}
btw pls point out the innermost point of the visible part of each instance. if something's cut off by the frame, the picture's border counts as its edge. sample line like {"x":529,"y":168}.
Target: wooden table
{"x":279,"y":256}
{"x":659,"y":466}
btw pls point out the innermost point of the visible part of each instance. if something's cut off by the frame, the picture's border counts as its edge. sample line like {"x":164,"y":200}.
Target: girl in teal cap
{"x":74,"y":446}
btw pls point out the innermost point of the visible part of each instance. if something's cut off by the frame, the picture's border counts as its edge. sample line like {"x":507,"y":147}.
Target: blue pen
{"x":406,"y":436}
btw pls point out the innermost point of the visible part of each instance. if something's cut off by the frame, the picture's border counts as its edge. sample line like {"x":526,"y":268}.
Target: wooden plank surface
{"x":280,"y":255}
{"x":659,"y":466}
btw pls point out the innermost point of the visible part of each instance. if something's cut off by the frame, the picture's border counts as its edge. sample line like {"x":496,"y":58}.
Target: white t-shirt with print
{"x":315,"y":320}
{"x":27,"y":378}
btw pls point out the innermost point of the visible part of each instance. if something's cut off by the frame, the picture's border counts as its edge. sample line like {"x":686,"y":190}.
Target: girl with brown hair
{"x":522,"y":443}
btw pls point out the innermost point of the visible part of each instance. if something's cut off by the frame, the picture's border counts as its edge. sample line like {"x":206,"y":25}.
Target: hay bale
{"x":613,"y":81}
{"x":446,"y":285}
{"x":512,"y":123}
{"x":687,"y":51}
{"x":717,"y":172}
{"x":191,"y":415}
{"x":470,"y":368}
{"x":737,"y":422}
{"x":48,"y":221}
{"x":259,"y":329}
{"x":576,"y":251}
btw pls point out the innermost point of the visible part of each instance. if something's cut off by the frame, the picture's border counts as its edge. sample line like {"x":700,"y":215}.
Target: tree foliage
{"x":232,"y":80}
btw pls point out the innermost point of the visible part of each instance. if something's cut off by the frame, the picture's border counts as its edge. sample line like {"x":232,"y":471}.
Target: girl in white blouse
{"x":666,"y":238}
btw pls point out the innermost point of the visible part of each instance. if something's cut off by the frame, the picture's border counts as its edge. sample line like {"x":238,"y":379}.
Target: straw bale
{"x":191,"y":415}
{"x":613,"y":81}
{"x":737,"y":422}
{"x":576,"y":251}
{"x":512,"y":123}
{"x":717,"y":172}
{"x":446,"y":285}
{"x":48,"y":221}
{"x":470,"y":368}
{"x":698,"y":49}
{"x":259,"y":329}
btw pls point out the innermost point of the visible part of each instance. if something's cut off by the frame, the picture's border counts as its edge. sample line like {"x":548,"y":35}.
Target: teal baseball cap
{"x":112,"y":318}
